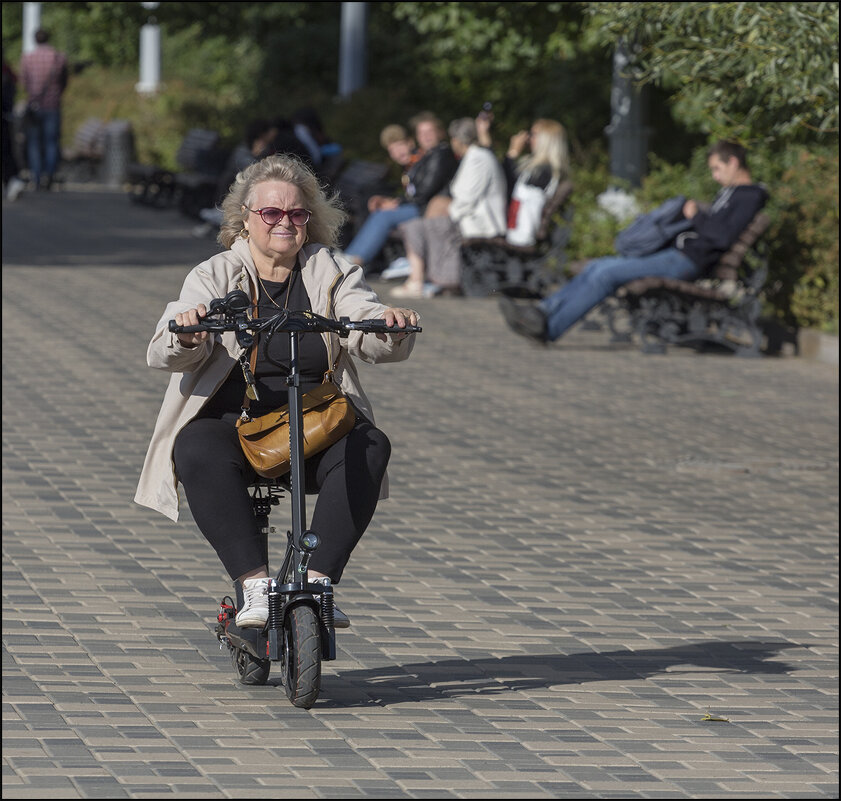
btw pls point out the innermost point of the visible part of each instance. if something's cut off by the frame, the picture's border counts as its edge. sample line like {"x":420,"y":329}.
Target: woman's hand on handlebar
{"x":192,"y":317}
{"x":398,"y":318}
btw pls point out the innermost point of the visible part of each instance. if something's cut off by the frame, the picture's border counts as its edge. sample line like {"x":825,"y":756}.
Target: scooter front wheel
{"x":249,"y":669}
{"x":301,"y":656}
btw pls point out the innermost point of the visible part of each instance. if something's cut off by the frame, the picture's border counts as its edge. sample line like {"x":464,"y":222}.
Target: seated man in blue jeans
{"x":695,"y":251}
{"x":428,"y":170}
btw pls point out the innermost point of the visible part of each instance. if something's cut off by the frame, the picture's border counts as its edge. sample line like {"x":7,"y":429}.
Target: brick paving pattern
{"x":586,"y":552}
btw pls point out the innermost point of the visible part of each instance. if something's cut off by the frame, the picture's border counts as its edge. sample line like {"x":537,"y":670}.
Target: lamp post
{"x":150,"y":54}
{"x":31,"y":23}
{"x":352,"y":48}
{"x":627,"y":133}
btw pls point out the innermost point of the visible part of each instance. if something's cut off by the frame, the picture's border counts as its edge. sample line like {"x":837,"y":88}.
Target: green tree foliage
{"x":526,"y":58}
{"x":757,"y":72}
{"x":105,"y":34}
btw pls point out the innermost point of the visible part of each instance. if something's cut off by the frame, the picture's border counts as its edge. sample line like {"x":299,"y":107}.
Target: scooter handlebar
{"x":284,"y":321}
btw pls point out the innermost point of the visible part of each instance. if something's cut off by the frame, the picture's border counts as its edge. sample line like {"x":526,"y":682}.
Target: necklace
{"x":288,"y":290}
{"x":247,"y":369}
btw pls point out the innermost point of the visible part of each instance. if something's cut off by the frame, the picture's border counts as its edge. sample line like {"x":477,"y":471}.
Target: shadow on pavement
{"x":98,"y":228}
{"x":434,"y":681}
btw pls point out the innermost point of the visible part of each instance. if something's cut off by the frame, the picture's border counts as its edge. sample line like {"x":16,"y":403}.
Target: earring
{"x":243,"y":234}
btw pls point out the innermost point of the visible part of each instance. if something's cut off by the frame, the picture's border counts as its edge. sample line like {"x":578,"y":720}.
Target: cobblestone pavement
{"x":587,"y":551}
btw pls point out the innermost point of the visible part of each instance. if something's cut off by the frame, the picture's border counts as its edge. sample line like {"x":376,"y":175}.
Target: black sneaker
{"x":526,"y":320}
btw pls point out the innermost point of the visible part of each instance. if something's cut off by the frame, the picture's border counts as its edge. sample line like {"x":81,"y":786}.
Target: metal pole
{"x":150,"y":54}
{"x":627,"y":133}
{"x":31,"y":23}
{"x":352,"y":48}
{"x":296,"y":441}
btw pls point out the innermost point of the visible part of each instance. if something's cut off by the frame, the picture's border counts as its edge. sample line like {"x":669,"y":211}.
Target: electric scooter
{"x":300,"y":630}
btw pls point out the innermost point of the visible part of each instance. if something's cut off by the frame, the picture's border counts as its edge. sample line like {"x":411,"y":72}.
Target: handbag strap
{"x":252,"y":359}
{"x":328,"y":376}
{"x":332,"y":365}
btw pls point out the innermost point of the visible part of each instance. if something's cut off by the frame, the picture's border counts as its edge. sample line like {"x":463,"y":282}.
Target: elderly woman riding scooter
{"x":279,"y":229}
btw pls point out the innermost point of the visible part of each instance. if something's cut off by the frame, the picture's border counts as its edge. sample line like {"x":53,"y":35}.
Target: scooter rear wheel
{"x":302,"y":656}
{"x":249,"y":669}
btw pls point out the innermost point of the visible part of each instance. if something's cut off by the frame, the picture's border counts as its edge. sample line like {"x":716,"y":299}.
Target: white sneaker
{"x":255,"y":607}
{"x":340,"y":619}
{"x":14,"y":188}
{"x":399,"y":268}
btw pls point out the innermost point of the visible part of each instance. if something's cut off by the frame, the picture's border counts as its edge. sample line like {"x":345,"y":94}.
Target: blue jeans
{"x":42,"y":144}
{"x":373,"y":234}
{"x":602,"y":277}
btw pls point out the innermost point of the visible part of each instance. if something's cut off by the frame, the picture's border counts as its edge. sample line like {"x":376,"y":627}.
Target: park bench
{"x":80,"y":162}
{"x":200,"y":160}
{"x":492,"y":265}
{"x":355,"y":183}
{"x":722,"y":309}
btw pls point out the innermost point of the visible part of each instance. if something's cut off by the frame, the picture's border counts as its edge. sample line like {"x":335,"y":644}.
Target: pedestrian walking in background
{"x":43,"y":72}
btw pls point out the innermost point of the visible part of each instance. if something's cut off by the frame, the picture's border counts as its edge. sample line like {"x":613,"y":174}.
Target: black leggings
{"x":215,"y":475}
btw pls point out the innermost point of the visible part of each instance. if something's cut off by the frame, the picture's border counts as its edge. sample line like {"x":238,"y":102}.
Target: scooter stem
{"x":296,"y":444}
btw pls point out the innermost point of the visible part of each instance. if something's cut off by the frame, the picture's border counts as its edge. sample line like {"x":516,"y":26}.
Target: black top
{"x":270,"y":378}
{"x":431,"y":174}
{"x":540,"y":176}
{"x":713,"y":232}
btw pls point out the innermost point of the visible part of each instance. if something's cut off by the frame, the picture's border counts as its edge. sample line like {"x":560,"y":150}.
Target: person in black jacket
{"x":424,"y":178}
{"x":694,"y":251}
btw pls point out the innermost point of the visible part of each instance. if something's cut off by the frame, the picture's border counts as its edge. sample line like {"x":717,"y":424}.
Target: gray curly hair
{"x":327,"y":212}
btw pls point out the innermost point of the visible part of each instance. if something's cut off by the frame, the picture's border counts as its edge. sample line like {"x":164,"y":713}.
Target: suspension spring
{"x":327,"y":607}
{"x":274,"y":608}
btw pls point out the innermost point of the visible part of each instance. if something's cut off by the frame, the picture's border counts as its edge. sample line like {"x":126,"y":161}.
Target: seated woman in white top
{"x":475,"y":208}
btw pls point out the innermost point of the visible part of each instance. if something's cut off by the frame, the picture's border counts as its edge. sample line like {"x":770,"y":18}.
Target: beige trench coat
{"x":336,"y":288}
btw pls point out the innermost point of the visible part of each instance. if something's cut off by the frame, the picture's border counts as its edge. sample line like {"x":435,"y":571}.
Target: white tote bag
{"x":525,"y":211}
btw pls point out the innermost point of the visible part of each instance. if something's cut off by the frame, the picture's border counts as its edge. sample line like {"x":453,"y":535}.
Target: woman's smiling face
{"x":279,"y":243}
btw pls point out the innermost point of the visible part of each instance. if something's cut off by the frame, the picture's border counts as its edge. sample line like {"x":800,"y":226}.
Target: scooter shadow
{"x":453,"y":678}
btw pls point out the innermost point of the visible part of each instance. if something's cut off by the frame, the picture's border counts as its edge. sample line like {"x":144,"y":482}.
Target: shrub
{"x":158,"y":122}
{"x":804,"y":241}
{"x":593,"y":229}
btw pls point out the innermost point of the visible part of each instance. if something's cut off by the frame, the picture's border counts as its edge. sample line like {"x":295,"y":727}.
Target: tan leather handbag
{"x":327,"y":416}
